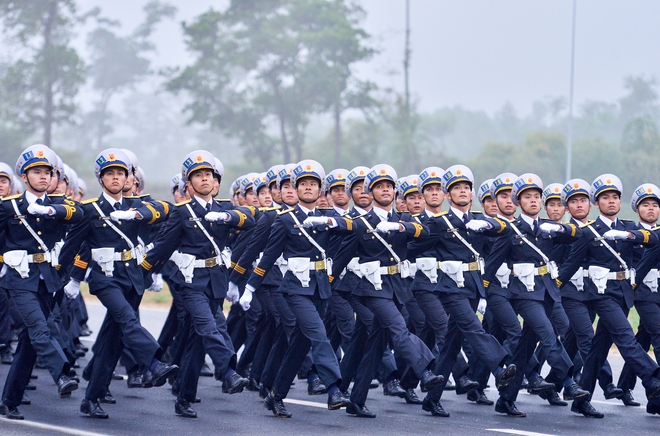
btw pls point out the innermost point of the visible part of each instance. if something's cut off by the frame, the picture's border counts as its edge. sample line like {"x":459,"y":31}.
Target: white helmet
{"x":133,"y":158}
{"x":355,"y":175}
{"x":409,"y":185}
{"x":110,"y":157}
{"x":552,"y":191}
{"x":247,"y":182}
{"x":308,"y":168}
{"x":35,"y":156}
{"x":647,"y":190}
{"x":430,"y":176}
{"x":605,"y":182}
{"x":197,"y":160}
{"x":377,"y":174}
{"x":140,"y":178}
{"x":455,"y":174}
{"x":574,"y":187}
{"x":524,"y":182}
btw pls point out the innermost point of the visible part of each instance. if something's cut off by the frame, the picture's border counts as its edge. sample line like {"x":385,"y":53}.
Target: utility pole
{"x":569,"y":136}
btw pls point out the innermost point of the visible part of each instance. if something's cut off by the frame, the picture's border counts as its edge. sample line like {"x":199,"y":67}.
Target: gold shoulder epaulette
{"x":415,"y":215}
{"x":628,"y":221}
{"x":11,"y":197}
{"x":142,"y":195}
{"x":223,"y":200}
{"x":440,"y":214}
{"x":476,"y":211}
{"x":183,"y":202}
{"x":133,"y":197}
{"x":588,"y":223}
{"x":91,"y":200}
{"x":268,"y":209}
{"x":56,"y":195}
{"x":324,"y":208}
{"x":282,"y":212}
{"x":655,"y":228}
{"x":359,"y":216}
{"x":252,"y":209}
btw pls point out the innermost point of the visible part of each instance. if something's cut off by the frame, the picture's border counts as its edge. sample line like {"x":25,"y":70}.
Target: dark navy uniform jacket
{"x":368,"y":248}
{"x":646,"y":260}
{"x":350,"y":280}
{"x":560,"y":255}
{"x":590,"y":250}
{"x":256,"y":245}
{"x":95,"y":232}
{"x":288,"y":240}
{"x":48,"y":228}
{"x":514,"y":250}
{"x":450,"y":248}
{"x":182,"y":232}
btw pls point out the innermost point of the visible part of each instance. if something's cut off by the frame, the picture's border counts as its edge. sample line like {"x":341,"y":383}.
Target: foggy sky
{"x":479,"y":54}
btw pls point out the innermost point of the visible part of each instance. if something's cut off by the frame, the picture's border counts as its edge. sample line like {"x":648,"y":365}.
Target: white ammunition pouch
{"x":300,"y":266}
{"x":105,"y":258}
{"x":18,"y":259}
{"x":353,"y":266}
{"x":651,"y":280}
{"x":599,"y":277}
{"x":55,"y":253}
{"x":372,"y":272}
{"x":412,"y":267}
{"x":429,"y":267}
{"x":503,"y":275}
{"x":404,"y":269}
{"x":281,"y":263}
{"x":454,"y":270}
{"x":525,"y":273}
{"x":578,"y":279}
{"x":185,"y":263}
{"x":225,"y":255}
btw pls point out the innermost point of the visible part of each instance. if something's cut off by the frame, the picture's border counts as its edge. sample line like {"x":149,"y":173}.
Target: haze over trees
{"x":275,"y":81}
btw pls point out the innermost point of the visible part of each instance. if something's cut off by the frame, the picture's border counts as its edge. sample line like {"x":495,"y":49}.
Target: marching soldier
{"x":110,"y":229}
{"x":31,"y":225}
{"x":606,"y":248}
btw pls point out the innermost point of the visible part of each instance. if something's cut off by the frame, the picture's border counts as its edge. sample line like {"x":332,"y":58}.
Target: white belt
{"x":429,"y":267}
{"x":454,"y":269}
{"x":599,"y":276}
{"x":353,"y":266}
{"x":373,"y":272}
{"x":187,"y":264}
{"x":20,"y":260}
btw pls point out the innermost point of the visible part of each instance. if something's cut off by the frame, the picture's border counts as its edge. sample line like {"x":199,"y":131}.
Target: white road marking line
{"x":57,"y":428}
{"x":517,"y":432}
{"x":306,"y":403}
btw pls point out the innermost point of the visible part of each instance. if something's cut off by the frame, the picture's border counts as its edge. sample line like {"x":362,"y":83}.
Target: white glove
{"x":481,"y":307}
{"x":477,"y":225}
{"x":157,"y":284}
{"x":314,"y":221}
{"x":385,"y":226}
{"x":246,"y":299}
{"x":232,"y":292}
{"x":72,"y":289}
{"x":38,"y":209}
{"x":615,"y":234}
{"x":549,"y":227}
{"x":217,"y":216}
{"x":125,"y":215}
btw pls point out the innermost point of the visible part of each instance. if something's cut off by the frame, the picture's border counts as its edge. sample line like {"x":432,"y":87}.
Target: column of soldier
{"x":388,"y":288}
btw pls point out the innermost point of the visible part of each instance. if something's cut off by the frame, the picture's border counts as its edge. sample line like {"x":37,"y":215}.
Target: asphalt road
{"x":151,"y":411}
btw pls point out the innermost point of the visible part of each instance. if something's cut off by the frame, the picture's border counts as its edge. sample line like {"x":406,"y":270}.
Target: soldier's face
{"x":275,"y":193}
{"x":5,"y":186}
{"x":434,"y":195}
{"x":505,"y":204}
{"x":289,"y":193}
{"x":38,"y":178}
{"x":113,"y":180}
{"x":216,"y":187}
{"x":338,"y":196}
{"x":265,"y":199}
{"x":361,"y":198}
{"x":251,"y":199}
{"x":383,"y":193}
{"x":579,"y":206}
{"x":61,"y":187}
{"x":555,"y":209}
{"x":490,"y":206}
{"x":648,"y":210}
{"x":415,"y":202}
{"x":460,"y":194}
{"x":323,"y":202}
{"x":129,"y":184}
{"x":401,"y":205}
{"x":609,"y":203}
{"x":54,"y":181}
{"x":178,"y":197}
{"x":201,"y":181}
{"x":309,"y":190}
{"x":530,"y":202}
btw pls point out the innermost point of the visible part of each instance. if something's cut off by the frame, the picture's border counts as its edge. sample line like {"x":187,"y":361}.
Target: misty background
{"x":260,"y":82}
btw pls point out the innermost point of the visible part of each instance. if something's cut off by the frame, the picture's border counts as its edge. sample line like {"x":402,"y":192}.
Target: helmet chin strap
{"x":383,"y":204}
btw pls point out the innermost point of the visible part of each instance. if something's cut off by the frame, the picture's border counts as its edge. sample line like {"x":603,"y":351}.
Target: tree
{"x":38,"y":89}
{"x":269,"y":65}
{"x":119,"y":62}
